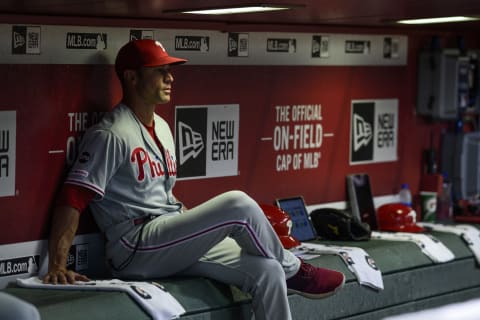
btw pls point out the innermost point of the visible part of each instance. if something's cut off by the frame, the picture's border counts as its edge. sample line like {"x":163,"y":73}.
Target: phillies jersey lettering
{"x":171,"y":164}
{"x":142,"y":159}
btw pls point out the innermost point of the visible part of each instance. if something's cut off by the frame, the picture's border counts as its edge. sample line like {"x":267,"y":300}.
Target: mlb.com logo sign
{"x":374,"y":131}
{"x":206,"y":140}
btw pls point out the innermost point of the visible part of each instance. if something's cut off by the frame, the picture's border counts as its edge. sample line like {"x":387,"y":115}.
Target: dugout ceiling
{"x":368,"y":13}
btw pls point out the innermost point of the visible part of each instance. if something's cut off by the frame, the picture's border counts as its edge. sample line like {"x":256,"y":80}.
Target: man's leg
{"x":171,"y":244}
{"x":263,"y":278}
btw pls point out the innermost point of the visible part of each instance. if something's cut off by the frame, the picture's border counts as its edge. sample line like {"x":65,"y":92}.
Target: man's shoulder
{"x":118,"y":124}
{"x":119,"y":120}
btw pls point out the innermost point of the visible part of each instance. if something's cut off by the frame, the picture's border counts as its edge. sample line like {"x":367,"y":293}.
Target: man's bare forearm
{"x":64,"y":228}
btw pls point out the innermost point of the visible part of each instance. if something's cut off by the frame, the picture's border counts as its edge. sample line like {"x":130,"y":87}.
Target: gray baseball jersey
{"x":120,"y":161}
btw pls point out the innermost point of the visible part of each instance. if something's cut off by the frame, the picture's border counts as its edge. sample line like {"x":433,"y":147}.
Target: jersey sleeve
{"x":75,"y":196}
{"x":100,"y":155}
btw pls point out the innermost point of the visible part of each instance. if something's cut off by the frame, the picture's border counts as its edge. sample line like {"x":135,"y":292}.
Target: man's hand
{"x":63,"y":276}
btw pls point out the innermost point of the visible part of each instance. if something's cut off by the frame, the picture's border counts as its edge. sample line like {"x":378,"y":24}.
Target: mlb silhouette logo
{"x":362,"y":131}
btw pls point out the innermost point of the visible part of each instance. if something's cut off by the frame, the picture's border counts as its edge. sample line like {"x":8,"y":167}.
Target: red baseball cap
{"x":143,"y":53}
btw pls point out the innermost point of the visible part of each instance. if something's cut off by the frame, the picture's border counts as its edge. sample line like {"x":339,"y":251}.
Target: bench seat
{"x":412,"y":282}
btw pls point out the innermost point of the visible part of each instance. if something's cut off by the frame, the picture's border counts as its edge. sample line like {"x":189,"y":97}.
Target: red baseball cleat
{"x":315,"y":283}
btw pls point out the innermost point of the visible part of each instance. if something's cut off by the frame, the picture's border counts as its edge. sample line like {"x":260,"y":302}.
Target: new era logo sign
{"x":191,"y":131}
{"x":26,"y":39}
{"x":374,"y":130}
{"x":363,"y":132}
{"x":207,"y":141}
{"x":190,"y":143}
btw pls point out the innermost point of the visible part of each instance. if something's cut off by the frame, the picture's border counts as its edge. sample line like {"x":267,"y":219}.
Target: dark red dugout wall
{"x":258,"y":90}
{"x":55,"y":102}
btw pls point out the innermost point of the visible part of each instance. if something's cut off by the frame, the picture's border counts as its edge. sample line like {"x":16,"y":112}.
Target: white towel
{"x":469,"y":234}
{"x":155,"y":300}
{"x":428,"y":244}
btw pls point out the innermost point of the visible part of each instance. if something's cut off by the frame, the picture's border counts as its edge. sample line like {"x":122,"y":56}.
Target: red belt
{"x":141,"y":220}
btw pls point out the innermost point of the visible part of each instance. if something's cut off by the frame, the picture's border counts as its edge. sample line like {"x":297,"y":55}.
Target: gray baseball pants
{"x":227,"y":238}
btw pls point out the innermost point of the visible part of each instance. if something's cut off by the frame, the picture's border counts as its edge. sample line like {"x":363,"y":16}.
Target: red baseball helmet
{"x":397,"y":217}
{"x":281,"y":223}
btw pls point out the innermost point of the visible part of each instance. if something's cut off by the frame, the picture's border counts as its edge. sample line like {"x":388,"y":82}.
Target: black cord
{"x":129,"y":259}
